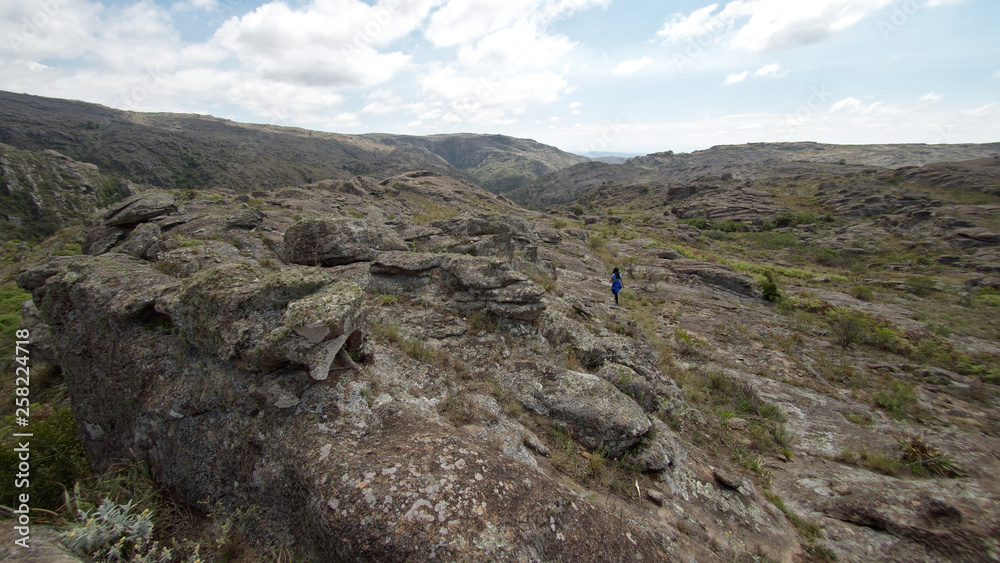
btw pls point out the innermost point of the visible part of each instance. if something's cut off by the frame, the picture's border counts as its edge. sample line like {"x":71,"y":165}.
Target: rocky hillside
{"x":385,"y":370}
{"x":742,"y":162}
{"x":178,"y":151}
{"x":43,"y":191}
{"x":174,"y":151}
{"x":414,"y":368}
{"x":498,"y":163}
{"x":403,"y":366}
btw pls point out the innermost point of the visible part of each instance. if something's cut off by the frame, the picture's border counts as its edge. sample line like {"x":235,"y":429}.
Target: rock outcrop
{"x":715,"y":274}
{"x":472,"y":283}
{"x":346,"y":403}
{"x":337,"y":241}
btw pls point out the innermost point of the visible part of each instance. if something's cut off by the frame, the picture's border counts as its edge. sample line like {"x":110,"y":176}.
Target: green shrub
{"x":924,"y":460}
{"x":847,"y":326}
{"x":862,"y":292}
{"x":717,"y":235}
{"x":696,"y":222}
{"x":771,"y":240}
{"x":729,"y":226}
{"x":769,"y":289}
{"x":112,"y":532}
{"x":57,"y":458}
{"x":826,"y":257}
{"x":793,"y":219}
{"x":896,"y":401}
{"x":11,"y":298}
{"x":921,"y":285}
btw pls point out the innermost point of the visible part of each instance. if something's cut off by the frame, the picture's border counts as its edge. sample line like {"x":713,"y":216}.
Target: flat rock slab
{"x":716,"y":274}
{"x":140,"y":208}
{"x":599,"y":416}
{"x":335,"y":241}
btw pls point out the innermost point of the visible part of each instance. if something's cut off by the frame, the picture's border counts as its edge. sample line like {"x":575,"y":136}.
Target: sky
{"x":623,"y":76}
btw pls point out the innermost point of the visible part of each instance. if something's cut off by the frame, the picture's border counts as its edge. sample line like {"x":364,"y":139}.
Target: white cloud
{"x":631,"y":66}
{"x":511,"y":36}
{"x":703,"y":23}
{"x":764,"y":25}
{"x":194,"y":5}
{"x":575,"y":108}
{"x":931,"y":97}
{"x":737,"y":77}
{"x":847,"y":104}
{"x":489,"y":99}
{"x":522,"y":45}
{"x":981,"y":111}
{"x":331,"y":44}
{"x":767,"y":71}
{"x":33,"y":31}
{"x":772,"y":70}
{"x":462,"y":22}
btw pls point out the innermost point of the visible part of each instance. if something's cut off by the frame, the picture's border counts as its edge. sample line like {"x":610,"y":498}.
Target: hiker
{"x":616,"y":283}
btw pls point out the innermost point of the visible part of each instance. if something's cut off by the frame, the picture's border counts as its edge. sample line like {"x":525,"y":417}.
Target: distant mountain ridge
{"x":47,"y":145}
{"x":747,"y":162}
{"x":499,"y":163}
{"x":189,"y":151}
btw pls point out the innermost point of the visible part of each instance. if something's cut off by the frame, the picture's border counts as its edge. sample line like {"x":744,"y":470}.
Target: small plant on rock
{"x":862,"y":292}
{"x":112,"y":532}
{"x":769,"y":289}
{"x":922,"y":459}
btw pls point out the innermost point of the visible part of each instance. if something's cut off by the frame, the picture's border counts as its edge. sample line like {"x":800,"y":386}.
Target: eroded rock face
{"x":715,"y":274}
{"x":158,"y":364}
{"x":140,"y":208}
{"x":336,"y":241}
{"x":472,"y":282}
{"x":260,"y":319}
{"x":600,"y":416}
{"x":193,"y":329}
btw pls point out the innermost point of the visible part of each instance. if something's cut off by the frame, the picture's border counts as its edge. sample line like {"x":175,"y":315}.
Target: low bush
{"x":58,"y":461}
{"x":862,"y":292}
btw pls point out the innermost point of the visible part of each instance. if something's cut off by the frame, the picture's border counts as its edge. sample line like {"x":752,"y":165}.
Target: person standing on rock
{"x":616,"y":283}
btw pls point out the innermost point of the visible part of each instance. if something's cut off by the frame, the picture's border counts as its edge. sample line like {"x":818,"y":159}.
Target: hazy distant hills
{"x":99,"y":151}
{"x":750,"y":161}
{"x":194,"y":151}
{"x":41,"y":190}
{"x":498,"y":163}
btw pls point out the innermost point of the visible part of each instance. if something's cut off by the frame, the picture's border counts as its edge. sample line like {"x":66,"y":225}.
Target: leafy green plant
{"x":847,"y":327}
{"x":387,"y":331}
{"x":862,"y":292}
{"x":696,"y":222}
{"x":923,"y":460}
{"x":716,"y":234}
{"x":57,"y":457}
{"x":419,"y":351}
{"x":897,"y":401}
{"x":921,"y":285}
{"x":11,"y":298}
{"x":113,"y":532}
{"x":729,"y":226}
{"x":769,"y":289}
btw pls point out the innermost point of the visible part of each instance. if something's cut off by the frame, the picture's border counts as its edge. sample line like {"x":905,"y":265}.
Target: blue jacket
{"x":616,"y":283}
